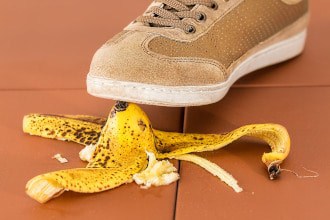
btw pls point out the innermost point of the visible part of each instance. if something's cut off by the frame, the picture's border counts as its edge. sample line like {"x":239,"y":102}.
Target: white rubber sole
{"x":182,"y":96}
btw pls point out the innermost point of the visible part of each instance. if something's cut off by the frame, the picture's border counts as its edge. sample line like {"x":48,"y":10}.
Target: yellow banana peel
{"x":119,"y":148}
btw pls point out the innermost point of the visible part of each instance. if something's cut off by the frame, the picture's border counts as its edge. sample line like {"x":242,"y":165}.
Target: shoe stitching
{"x":144,"y":43}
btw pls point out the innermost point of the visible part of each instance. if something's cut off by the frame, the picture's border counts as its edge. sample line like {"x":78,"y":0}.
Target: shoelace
{"x":172,"y":12}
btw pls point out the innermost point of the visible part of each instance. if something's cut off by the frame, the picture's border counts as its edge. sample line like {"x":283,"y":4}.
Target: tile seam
{"x":42,"y":90}
{"x":233,"y":87}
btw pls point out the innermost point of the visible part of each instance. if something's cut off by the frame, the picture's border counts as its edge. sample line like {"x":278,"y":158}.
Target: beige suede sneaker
{"x":189,"y":52}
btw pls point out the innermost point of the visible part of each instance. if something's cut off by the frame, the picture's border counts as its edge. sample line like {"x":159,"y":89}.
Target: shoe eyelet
{"x":191,"y":29}
{"x":201,"y":17}
{"x":214,"y":6}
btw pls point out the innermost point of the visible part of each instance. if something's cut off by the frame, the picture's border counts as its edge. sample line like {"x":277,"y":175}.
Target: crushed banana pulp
{"x":86,"y":154}
{"x":158,"y":173}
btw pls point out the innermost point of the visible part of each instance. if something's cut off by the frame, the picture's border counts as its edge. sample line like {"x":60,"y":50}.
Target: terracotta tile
{"x":49,"y":44}
{"x":306,"y":114}
{"x":47,"y":47}
{"x":24,"y":156}
{"x":311,"y":68}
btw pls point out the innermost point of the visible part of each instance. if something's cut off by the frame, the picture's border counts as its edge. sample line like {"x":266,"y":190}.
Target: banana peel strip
{"x":213,"y":169}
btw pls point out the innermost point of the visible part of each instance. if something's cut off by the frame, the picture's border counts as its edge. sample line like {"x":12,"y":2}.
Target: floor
{"x":46,"y":47}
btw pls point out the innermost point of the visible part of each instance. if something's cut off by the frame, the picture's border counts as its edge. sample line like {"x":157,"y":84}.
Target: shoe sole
{"x":183,"y":96}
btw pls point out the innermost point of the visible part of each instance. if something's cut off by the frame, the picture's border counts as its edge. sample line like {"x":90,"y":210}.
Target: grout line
{"x":176,"y":192}
{"x":279,"y":86}
{"x":183,"y":126}
{"x":183,"y":119}
{"x":43,"y":90}
{"x":234,"y":86}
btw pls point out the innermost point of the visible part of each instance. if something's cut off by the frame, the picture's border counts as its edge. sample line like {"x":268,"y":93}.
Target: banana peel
{"x":119,"y":148}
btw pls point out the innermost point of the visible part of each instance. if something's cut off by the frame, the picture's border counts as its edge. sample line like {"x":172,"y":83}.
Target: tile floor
{"x":46,"y":47}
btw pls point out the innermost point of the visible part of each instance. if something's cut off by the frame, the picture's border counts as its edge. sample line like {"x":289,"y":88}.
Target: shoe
{"x":190,"y":52}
